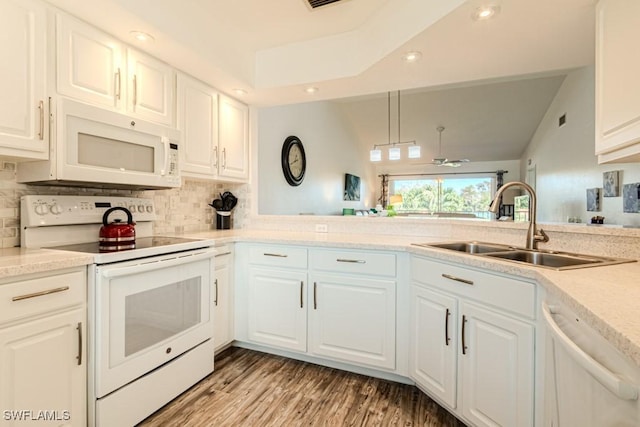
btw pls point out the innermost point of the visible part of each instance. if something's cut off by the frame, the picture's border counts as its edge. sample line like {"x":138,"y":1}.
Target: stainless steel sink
{"x":554,"y":260}
{"x":469,"y":247}
{"x":537,"y":258}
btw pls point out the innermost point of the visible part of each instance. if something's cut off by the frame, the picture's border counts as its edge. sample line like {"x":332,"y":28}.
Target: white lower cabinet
{"x":470,"y":348}
{"x":433,"y":347}
{"x":43,"y":367}
{"x":277,"y":310}
{"x":345,"y":311}
{"x":223,"y":299}
{"x":353,"y":319}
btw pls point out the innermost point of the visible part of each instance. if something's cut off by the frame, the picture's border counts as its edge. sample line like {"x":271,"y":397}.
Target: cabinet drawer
{"x":372,"y":263}
{"x":508,"y":294}
{"x":40,"y":295}
{"x":278,"y":256}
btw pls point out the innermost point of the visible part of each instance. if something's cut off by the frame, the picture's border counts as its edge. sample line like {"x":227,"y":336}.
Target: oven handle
{"x":179,"y":259}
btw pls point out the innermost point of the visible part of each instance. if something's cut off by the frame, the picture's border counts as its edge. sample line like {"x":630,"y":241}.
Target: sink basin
{"x":537,"y":258}
{"x":469,"y":247}
{"x":557,"y":261}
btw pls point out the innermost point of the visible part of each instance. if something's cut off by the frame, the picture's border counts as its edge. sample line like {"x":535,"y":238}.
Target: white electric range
{"x":150,"y":308}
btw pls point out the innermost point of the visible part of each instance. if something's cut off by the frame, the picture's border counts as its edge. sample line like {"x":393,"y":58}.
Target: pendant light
{"x":394,"y":153}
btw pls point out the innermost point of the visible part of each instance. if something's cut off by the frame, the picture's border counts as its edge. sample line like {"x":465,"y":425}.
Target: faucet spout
{"x":534,"y":235}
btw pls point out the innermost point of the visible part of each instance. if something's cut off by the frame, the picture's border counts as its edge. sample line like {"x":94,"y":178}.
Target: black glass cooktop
{"x":140,"y":243}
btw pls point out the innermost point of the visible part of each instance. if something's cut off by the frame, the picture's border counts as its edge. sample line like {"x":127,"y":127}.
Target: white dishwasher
{"x":588,"y":383}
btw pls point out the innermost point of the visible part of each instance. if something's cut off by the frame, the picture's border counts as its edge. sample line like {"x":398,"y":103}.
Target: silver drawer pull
{"x":355,"y":261}
{"x":41,"y":293}
{"x":457,"y":279}
{"x":276,"y":255}
{"x":223,"y":253}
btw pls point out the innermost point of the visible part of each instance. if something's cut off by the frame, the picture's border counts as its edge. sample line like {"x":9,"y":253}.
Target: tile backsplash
{"x":180,"y":210}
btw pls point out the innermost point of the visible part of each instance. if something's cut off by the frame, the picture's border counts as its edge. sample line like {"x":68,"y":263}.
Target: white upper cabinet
{"x":617,"y":83}
{"x":24,"y":130}
{"x":89,"y":63}
{"x":151,"y":87}
{"x":96,"y":68}
{"x":233,"y":143}
{"x":198,"y":124}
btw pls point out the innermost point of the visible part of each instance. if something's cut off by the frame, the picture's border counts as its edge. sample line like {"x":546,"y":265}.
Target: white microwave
{"x":95,"y":147}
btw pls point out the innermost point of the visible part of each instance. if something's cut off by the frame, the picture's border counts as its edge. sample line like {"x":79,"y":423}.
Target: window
{"x":451,"y":194}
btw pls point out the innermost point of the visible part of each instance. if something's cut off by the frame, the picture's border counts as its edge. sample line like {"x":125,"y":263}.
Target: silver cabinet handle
{"x":224,"y":158}
{"x":275,"y":255}
{"x":215,"y":157}
{"x":223,"y":254}
{"x":41,"y":110}
{"x":446,"y":327}
{"x":118,"y":84}
{"x":355,"y":261}
{"x":457,"y":279}
{"x":41,"y":293}
{"x":135,"y":90}
{"x":464,"y":344}
{"x":301,"y":294}
{"x":79,"y":356}
{"x":215,"y":301}
{"x":315,"y":296}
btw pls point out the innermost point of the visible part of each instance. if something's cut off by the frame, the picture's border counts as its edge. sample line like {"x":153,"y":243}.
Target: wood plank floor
{"x":250,"y":388}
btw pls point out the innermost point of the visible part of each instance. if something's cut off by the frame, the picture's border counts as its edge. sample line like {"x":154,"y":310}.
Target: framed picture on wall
{"x":593,"y":199}
{"x":351,"y":187}
{"x":611,"y":184}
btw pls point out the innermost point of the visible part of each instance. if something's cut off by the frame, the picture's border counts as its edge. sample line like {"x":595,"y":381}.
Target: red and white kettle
{"x":117,"y":235}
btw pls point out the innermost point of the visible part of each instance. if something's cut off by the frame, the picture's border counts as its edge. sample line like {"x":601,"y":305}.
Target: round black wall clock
{"x":294,"y":161}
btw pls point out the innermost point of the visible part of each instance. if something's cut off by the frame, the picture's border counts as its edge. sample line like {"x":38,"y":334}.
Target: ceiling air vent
{"x":319,"y":3}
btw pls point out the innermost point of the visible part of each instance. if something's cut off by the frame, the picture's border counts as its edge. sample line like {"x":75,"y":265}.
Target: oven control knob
{"x":56,"y":209}
{"x":149,"y":208}
{"x":132,"y":208}
{"x":140,"y":208}
{"x":41,"y":209}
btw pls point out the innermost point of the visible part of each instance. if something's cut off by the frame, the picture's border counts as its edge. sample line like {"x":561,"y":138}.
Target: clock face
{"x":294,"y":161}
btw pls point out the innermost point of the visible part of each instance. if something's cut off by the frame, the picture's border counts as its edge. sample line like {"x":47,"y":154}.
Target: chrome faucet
{"x":533,"y":234}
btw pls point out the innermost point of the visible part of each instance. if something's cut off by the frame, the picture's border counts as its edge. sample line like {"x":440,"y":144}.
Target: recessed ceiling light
{"x":141,"y":36}
{"x":311,"y":89}
{"x":240,"y":92}
{"x":485,"y":12}
{"x":412,"y":56}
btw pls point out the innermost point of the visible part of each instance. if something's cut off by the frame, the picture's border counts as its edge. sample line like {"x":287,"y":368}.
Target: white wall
{"x":565,"y":161}
{"x":328,"y":142}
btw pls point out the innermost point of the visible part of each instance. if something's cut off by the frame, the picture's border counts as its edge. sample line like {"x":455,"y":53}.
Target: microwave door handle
{"x":165,"y":142}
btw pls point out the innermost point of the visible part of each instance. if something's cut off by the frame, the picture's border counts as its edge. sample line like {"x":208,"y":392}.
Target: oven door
{"x":148,"y":312}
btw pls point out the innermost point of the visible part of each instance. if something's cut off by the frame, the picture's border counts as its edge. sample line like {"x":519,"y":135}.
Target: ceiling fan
{"x":443,"y":161}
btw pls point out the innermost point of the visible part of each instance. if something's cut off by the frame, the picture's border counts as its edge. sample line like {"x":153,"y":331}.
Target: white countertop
{"x":607,"y":297}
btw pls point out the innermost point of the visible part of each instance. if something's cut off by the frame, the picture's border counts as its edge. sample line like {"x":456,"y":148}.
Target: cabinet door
{"x":198,"y":124}
{"x":496,"y":368}
{"x":353,"y":319}
{"x":151,"y":88}
{"x":434,"y":343}
{"x":89,"y":63}
{"x":23,"y":105}
{"x":43,"y":368}
{"x":234,"y":139}
{"x":617,"y":70}
{"x":277,"y":309}
{"x":222,"y":301}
